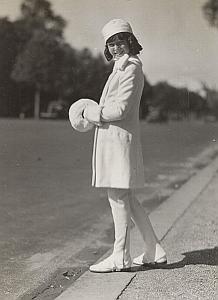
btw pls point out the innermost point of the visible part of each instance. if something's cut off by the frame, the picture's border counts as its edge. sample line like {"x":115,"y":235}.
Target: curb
{"x":95,"y":286}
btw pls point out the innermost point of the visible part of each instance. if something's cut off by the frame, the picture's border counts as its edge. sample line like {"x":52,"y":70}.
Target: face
{"x":118,"y":48}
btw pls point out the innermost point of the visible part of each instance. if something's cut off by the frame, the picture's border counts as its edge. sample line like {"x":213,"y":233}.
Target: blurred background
{"x":53,"y":223}
{"x":51,"y":55}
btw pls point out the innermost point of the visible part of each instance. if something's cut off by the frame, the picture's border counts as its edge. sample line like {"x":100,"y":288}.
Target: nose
{"x":116,"y":47}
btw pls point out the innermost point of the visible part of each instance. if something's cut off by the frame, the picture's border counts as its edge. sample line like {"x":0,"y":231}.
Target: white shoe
{"x":141,"y":260}
{"x":120,"y":259}
{"x":107,"y":266}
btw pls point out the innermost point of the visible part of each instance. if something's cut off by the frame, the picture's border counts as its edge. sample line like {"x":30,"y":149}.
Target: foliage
{"x":39,"y":62}
{"x":38,"y":15}
{"x":212,"y":101}
{"x":40,"y":35}
{"x":210,"y":10}
{"x":8,"y":49}
{"x":8,"y":52}
{"x":40,"y":72}
{"x":50,"y":65}
{"x":90,"y":74}
{"x":168,"y":102}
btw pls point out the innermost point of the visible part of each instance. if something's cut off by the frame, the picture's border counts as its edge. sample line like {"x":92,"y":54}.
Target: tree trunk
{"x":37,"y":104}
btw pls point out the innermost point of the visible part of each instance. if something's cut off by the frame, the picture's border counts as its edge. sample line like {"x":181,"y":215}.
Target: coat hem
{"x":119,"y":187}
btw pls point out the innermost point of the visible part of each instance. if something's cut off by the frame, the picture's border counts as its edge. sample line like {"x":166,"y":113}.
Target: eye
{"x":118,"y":44}
{"x":111,"y":45}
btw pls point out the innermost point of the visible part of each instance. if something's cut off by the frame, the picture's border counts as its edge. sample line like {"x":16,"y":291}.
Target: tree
{"x":39,"y":64}
{"x":175,"y":103}
{"x":8,"y":52}
{"x":90,"y":74}
{"x":210,"y":10}
{"x":38,"y":14}
{"x":40,"y":40}
{"x":212,"y":100}
{"x":44,"y":67}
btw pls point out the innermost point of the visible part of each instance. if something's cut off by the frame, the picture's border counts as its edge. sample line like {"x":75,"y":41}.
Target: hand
{"x":93,"y":114}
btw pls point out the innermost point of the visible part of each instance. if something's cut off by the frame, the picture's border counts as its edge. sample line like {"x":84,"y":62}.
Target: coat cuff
{"x":93,"y":114}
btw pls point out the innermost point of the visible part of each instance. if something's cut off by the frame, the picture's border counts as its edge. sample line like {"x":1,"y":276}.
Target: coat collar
{"x":121,"y":63}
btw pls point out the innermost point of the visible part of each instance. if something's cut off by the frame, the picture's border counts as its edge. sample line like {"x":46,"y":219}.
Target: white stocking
{"x":119,"y":202}
{"x":153,"y":250}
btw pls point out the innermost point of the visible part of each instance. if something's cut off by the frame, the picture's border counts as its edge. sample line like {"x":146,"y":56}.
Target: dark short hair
{"x":133,"y":44}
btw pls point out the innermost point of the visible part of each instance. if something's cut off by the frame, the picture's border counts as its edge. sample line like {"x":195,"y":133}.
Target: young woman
{"x":117,"y":155}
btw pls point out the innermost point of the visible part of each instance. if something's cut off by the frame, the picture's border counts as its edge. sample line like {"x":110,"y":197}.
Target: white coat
{"x":117,"y":155}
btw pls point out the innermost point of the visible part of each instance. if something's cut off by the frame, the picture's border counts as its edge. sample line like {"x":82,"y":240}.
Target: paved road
{"x":48,"y":209}
{"x":186,"y":223}
{"x":192,"y":253}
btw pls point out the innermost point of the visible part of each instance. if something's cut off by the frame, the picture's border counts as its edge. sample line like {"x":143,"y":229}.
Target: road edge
{"x":109,"y":286}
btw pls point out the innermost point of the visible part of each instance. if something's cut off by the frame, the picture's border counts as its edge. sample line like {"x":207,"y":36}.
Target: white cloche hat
{"x":76,"y":115}
{"x":115,"y":26}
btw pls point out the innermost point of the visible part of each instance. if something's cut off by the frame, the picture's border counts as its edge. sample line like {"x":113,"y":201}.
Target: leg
{"x":119,"y":202}
{"x":120,"y":208}
{"x":153,"y":250}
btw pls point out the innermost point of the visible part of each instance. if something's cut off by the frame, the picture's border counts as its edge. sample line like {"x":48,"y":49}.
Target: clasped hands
{"x":93,"y":114}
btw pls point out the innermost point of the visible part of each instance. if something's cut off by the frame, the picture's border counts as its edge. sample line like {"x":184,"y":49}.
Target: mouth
{"x":118,"y":54}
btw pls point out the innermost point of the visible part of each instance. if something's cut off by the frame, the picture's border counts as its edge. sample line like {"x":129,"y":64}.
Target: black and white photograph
{"x":108,"y":149}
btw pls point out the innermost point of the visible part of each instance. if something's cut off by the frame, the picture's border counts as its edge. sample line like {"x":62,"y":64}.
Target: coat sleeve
{"x":128,"y":82}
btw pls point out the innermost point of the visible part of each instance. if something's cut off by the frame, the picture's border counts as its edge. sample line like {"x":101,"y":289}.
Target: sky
{"x":178,"y":44}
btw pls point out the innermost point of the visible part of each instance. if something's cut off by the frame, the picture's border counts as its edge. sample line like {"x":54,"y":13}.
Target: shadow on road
{"x":198,"y":257}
